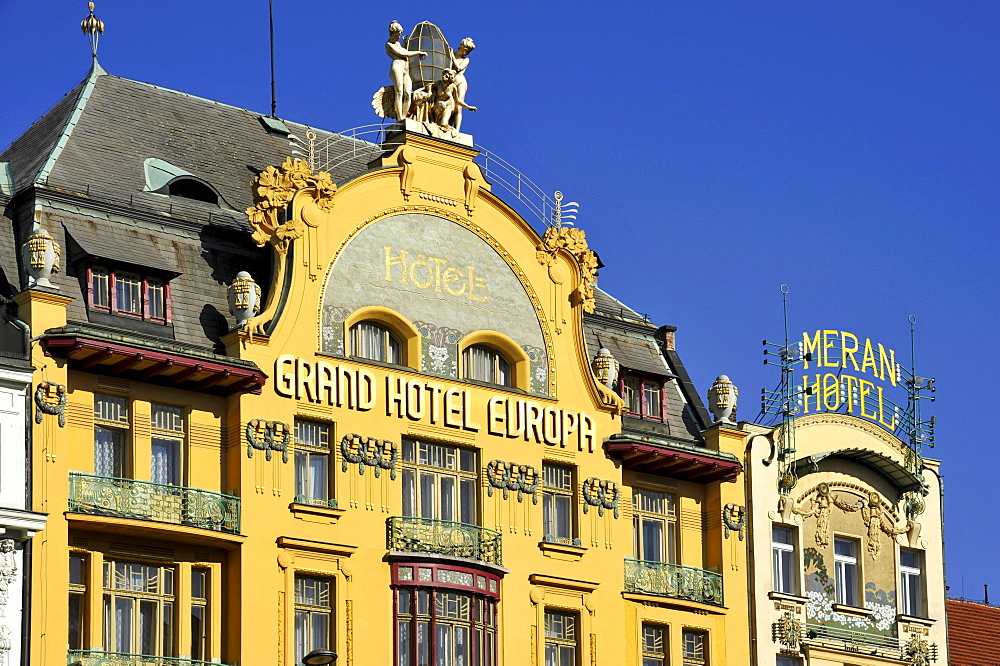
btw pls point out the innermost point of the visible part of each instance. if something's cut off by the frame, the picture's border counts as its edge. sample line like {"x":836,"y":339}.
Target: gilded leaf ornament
{"x":574,"y":241}
{"x":273,"y":189}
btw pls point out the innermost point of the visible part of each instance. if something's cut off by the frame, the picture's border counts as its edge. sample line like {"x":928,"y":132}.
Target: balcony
{"x":143,"y":500}
{"x":849,"y":638}
{"x":443,"y":537}
{"x":97,"y":658}
{"x":673,"y":580}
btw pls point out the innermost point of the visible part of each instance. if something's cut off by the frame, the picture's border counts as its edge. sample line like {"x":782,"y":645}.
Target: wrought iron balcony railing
{"x":673,"y":580}
{"x":128,"y":498}
{"x":98,"y":658}
{"x":823,"y":632}
{"x":316,"y":501}
{"x":443,"y":537}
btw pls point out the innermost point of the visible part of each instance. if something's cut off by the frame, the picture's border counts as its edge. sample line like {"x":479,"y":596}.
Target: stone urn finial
{"x":41,"y":257}
{"x":606,"y":368}
{"x":244,"y":298}
{"x":722,"y":400}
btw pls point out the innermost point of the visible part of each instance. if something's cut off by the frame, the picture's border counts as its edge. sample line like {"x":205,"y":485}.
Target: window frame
{"x":305,"y":451}
{"x":550,"y":495}
{"x":388,"y":336}
{"x":634,"y":389}
{"x":701,"y":643}
{"x":847,"y":595}
{"x":79,"y":598}
{"x":161,"y":598}
{"x":498,"y":360}
{"x":122,"y":427}
{"x":200,"y":650}
{"x":561,"y":641}
{"x":911,"y":583}
{"x":464,"y":477}
{"x":409,"y":579}
{"x":649,"y":653}
{"x":786,"y":562}
{"x":310,"y":611}
{"x":178,"y":436}
{"x":669,"y":519}
{"x":145,"y":287}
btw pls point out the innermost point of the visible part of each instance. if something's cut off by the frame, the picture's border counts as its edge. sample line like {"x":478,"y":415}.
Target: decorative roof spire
{"x":93,"y":27}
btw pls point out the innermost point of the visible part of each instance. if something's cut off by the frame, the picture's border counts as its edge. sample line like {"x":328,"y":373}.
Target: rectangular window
{"x":654,"y":525}
{"x":560,"y":639}
{"x":557,"y":503}
{"x":110,"y":435}
{"x":784,"y":560}
{"x":631,"y":394}
{"x":694,"y":648}
{"x":439,"y":482}
{"x":156,"y":299}
{"x":139,"y":608}
{"x":99,"y":288}
{"x":167,"y":424}
{"x":77,"y":600}
{"x":788,"y":661}
{"x":652,"y":396}
{"x":199,"y":614}
{"x":312,"y":462}
{"x":128,"y":293}
{"x":313,"y":615}
{"x":845,"y":559}
{"x":911,"y":582}
{"x":654,"y":645}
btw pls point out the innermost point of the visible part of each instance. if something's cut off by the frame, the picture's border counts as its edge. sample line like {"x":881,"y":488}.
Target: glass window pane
{"x":652,"y":540}
{"x":109,"y":452}
{"x":447,"y":498}
{"x":166,"y":461}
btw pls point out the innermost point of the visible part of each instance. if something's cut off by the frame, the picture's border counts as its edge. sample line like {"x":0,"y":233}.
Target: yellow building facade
{"x":415,"y":447}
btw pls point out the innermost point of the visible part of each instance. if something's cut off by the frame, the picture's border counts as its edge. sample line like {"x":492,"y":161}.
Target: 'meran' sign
{"x":849,"y":375}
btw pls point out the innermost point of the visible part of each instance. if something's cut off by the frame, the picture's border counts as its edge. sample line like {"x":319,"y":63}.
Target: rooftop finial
{"x":93,"y":27}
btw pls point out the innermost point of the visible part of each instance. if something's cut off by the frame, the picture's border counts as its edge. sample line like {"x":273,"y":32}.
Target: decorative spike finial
{"x":93,"y":27}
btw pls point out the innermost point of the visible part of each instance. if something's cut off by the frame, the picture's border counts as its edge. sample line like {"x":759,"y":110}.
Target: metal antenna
{"x":270,"y":15}
{"x":93,"y":27}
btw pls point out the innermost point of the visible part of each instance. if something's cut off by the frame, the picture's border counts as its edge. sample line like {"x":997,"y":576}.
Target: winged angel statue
{"x":438,"y":102}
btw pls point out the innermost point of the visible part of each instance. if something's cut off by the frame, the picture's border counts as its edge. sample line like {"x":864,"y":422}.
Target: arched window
{"x":486,"y":364}
{"x":376,"y":342}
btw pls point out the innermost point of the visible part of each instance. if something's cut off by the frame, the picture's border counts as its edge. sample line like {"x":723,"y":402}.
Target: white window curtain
{"x":109,"y":452}
{"x":166,"y":458}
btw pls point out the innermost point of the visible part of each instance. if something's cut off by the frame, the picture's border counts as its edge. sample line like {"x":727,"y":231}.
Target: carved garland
{"x":355,"y":450}
{"x":573,"y":241}
{"x":44,"y":407}
{"x":269,"y":444}
{"x":596,"y":493}
{"x":734,"y":517}
{"x":511,"y":476}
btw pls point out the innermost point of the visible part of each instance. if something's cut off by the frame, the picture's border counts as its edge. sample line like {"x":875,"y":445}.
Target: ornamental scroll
{"x":364,"y":452}
{"x":290,"y":202}
{"x":573,"y":241}
{"x":512,"y":477}
{"x":602,"y":494}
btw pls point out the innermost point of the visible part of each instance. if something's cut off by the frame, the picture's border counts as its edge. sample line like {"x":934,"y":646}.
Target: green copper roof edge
{"x":6,"y":180}
{"x":74,"y":118}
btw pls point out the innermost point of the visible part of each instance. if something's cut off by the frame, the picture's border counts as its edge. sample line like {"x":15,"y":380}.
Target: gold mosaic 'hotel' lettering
{"x":427,"y":272}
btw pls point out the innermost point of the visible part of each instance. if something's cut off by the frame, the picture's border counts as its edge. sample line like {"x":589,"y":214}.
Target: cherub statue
{"x":401,"y":90}
{"x":444,"y":101}
{"x":459,"y":63}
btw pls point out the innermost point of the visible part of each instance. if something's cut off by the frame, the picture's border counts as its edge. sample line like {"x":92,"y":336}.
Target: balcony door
{"x":655,"y":525}
{"x":439,"y":482}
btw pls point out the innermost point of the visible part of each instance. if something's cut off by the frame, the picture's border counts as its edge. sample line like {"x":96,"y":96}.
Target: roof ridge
{"x":74,"y":117}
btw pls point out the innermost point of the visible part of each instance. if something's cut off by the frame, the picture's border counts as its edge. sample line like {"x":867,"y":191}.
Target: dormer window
{"x":192,"y":188}
{"x":643,"y":396}
{"x":130,"y":294}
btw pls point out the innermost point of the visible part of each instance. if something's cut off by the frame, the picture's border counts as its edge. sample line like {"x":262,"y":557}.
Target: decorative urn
{"x":606,"y":368}
{"x":41,"y":257}
{"x":722,"y":400}
{"x":244,"y":298}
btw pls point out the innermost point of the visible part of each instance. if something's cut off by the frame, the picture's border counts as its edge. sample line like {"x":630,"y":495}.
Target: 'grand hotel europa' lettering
{"x":427,"y":272}
{"x":358,"y":389}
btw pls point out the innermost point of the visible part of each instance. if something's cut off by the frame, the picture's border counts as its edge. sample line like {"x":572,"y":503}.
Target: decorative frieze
{"x":261,"y":435}
{"x":364,"y":452}
{"x":509,"y":477}
{"x":601,"y":493}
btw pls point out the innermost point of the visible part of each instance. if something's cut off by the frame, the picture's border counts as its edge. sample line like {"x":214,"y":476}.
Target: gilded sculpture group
{"x":439,"y":103}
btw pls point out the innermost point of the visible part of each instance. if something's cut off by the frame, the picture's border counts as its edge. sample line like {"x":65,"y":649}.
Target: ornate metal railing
{"x":814,"y":631}
{"x":316,"y":501}
{"x":443,"y":537}
{"x":673,"y":580}
{"x":128,"y":498}
{"x":98,"y":658}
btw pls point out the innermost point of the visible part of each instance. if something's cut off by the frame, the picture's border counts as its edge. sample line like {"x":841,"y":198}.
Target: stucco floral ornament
{"x":273,"y":191}
{"x":574,"y":241}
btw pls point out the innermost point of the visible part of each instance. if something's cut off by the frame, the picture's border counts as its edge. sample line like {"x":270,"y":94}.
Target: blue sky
{"x":718,"y":150}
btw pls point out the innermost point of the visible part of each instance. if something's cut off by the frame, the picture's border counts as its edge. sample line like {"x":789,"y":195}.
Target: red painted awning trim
{"x":673,"y":462}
